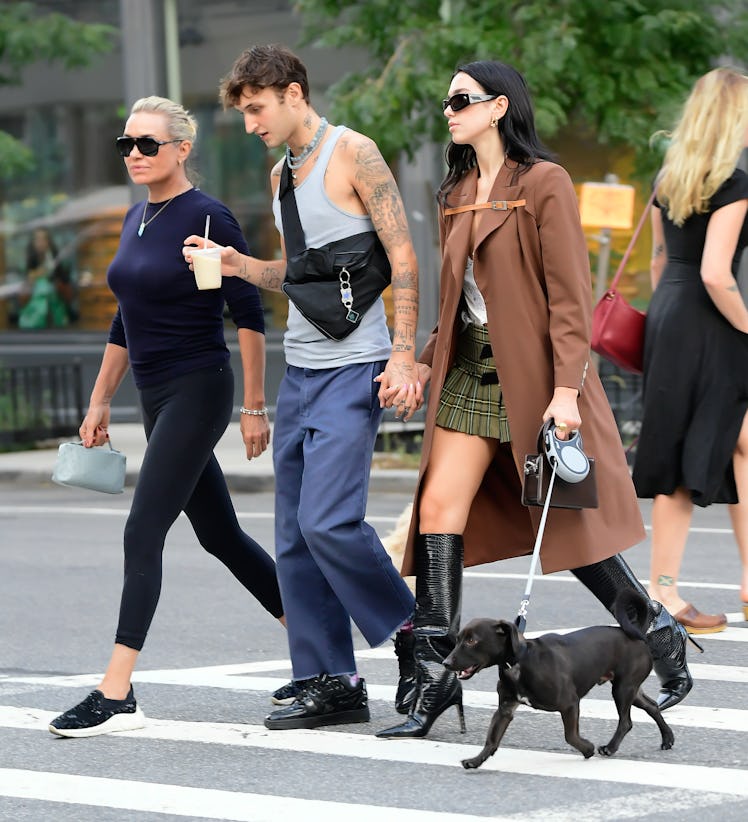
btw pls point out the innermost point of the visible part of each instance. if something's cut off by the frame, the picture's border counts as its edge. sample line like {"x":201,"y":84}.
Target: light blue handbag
{"x":97,"y":469}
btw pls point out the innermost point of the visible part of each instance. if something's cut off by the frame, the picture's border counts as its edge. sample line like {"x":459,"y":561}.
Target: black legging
{"x":184,"y":418}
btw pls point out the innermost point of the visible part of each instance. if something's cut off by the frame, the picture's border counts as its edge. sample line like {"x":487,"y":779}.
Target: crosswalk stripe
{"x":427,"y":752}
{"x":78,"y":510}
{"x":683,"y":715}
{"x":633,"y":806}
{"x":564,"y":576}
{"x":206,"y":803}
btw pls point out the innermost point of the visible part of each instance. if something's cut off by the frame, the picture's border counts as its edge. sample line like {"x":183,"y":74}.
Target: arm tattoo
{"x":658,"y":250}
{"x":271,"y":278}
{"x":376,"y":187}
{"x":406,"y":320}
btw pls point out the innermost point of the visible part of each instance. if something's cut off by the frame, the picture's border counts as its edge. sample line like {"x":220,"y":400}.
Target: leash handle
{"x":521,"y":620}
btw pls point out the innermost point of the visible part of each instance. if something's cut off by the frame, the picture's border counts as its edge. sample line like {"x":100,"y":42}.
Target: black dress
{"x":695,"y":370}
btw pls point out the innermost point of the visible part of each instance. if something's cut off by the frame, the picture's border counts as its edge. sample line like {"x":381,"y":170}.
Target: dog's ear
{"x":515,"y":641}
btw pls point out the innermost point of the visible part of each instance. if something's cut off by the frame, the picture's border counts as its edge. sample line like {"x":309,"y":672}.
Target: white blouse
{"x":476,"y":305}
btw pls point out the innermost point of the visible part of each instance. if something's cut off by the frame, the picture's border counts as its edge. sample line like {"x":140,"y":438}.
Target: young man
{"x":331,"y":565}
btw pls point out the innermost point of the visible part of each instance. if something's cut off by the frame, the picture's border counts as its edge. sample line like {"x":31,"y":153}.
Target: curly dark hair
{"x":272,"y":66}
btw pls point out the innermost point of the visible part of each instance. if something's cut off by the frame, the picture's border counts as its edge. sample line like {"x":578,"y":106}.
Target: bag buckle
{"x":532,"y":466}
{"x":346,"y":295}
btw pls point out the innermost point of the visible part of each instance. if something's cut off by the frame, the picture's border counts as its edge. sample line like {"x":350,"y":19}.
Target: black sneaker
{"x":287,"y":693}
{"x":99,"y":715}
{"x":325,"y":700}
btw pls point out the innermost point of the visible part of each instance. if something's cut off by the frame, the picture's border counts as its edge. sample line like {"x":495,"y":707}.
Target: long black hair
{"x":516,"y":128}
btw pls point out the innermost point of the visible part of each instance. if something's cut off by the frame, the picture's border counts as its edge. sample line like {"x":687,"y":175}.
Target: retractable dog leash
{"x":567,"y":459}
{"x":521,"y":620}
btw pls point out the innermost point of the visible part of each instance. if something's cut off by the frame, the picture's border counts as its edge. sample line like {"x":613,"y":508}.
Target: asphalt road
{"x":213,"y":656}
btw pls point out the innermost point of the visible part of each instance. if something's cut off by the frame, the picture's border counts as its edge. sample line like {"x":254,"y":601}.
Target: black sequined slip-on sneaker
{"x":325,"y":700}
{"x":99,"y":715}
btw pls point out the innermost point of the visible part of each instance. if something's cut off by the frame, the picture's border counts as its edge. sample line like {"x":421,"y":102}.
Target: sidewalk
{"x":242,"y":475}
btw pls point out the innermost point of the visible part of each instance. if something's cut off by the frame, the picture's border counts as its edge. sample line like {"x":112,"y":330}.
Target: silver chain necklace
{"x":295,"y":163}
{"x":144,"y":222}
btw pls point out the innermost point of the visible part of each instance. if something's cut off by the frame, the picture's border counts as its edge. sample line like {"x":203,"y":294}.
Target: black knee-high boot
{"x":407,"y":691}
{"x":436,"y":622}
{"x":666,"y":637}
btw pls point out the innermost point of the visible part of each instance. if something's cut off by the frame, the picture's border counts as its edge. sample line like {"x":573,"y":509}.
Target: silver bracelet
{"x":254,"y":412}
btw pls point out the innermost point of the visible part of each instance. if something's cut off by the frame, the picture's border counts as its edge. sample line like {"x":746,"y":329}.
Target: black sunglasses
{"x":457,"y":102}
{"x":147,"y":146}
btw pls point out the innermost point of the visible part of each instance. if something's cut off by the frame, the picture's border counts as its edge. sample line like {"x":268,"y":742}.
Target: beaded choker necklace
{"x":295,"y":163}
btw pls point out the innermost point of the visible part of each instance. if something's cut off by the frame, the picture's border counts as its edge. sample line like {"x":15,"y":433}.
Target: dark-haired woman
{"x":510,"y":351}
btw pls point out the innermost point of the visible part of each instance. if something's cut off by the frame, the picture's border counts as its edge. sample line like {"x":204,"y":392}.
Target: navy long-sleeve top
{"x":167,"y":325}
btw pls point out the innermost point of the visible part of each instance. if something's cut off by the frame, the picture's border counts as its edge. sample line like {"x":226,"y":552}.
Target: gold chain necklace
{"x":144,"y":222}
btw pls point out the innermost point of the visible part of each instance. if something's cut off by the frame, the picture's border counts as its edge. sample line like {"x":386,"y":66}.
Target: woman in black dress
{"x":693,"y":447}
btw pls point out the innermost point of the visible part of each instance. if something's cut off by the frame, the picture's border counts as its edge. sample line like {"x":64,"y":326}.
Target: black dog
{"x":553,"y":672}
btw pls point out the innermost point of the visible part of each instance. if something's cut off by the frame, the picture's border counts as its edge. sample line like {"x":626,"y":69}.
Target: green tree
{"x":26,"y":37}
{"x":615,"y":68}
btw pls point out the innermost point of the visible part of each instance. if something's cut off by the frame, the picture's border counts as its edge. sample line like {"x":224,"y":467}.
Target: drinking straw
{"x":207,"y":226}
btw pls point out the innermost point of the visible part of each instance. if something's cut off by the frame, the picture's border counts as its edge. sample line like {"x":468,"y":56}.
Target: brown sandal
{"x":697,"y":623}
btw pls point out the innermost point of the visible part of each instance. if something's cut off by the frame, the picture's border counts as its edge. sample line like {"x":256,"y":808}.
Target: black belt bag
{"x":335,"y":285}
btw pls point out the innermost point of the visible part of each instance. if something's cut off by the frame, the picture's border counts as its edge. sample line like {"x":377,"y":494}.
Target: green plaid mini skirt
{"x":471,"y":400}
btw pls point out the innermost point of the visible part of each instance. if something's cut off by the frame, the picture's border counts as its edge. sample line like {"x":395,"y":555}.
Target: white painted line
{"x":633,"y":806}
{"x":682,"y":715}
{"x":427,"y":752}
{"x":565,"y":576}
{"x":206,"y":803}
{"x":728,"y":635}
{"x":77,"y":510}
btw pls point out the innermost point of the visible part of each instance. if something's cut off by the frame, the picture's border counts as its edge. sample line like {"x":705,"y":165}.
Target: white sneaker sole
{"x":289,"y":700}
{"x":118,"y":722}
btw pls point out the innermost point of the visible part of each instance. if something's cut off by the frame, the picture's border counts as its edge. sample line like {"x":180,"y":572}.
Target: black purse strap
{"x":293,"y":233}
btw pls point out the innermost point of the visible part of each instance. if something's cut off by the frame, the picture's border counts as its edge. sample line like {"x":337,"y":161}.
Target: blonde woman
{"x":693,"y":447}
{"x":171,"y":335}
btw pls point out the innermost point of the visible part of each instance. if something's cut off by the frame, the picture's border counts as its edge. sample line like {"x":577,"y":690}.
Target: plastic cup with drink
{"x":206,"y":263}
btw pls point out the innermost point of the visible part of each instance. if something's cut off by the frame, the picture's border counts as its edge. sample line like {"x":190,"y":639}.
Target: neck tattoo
{"x":296,"y":162}
{"x":144,"y":222}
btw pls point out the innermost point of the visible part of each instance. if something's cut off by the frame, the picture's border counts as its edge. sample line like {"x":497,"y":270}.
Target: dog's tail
{"x":631,"y":609}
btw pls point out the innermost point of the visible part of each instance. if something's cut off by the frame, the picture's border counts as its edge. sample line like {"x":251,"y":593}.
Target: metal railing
{"x":624,"y":392}
{"x":39,"y":402}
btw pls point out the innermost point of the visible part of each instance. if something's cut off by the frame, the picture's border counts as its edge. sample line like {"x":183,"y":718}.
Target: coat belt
{"x":494,"y":205}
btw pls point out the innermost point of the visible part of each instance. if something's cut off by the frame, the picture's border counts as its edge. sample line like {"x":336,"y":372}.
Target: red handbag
{"x":618,"y":327}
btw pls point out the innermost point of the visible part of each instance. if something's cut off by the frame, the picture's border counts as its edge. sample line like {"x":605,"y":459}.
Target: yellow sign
{"x":606,"y":205}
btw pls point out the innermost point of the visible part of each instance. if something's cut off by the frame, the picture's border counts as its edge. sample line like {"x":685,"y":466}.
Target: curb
{"x":382,"y":481}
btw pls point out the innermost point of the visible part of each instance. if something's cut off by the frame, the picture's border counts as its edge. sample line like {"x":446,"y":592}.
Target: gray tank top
{"x":324,"y":222}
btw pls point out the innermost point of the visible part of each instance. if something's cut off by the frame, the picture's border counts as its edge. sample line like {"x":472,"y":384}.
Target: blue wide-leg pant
{"x":331,"y":564}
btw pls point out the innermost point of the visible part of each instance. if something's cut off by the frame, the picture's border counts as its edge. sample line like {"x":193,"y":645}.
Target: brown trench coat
{"x":532,"y":267}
